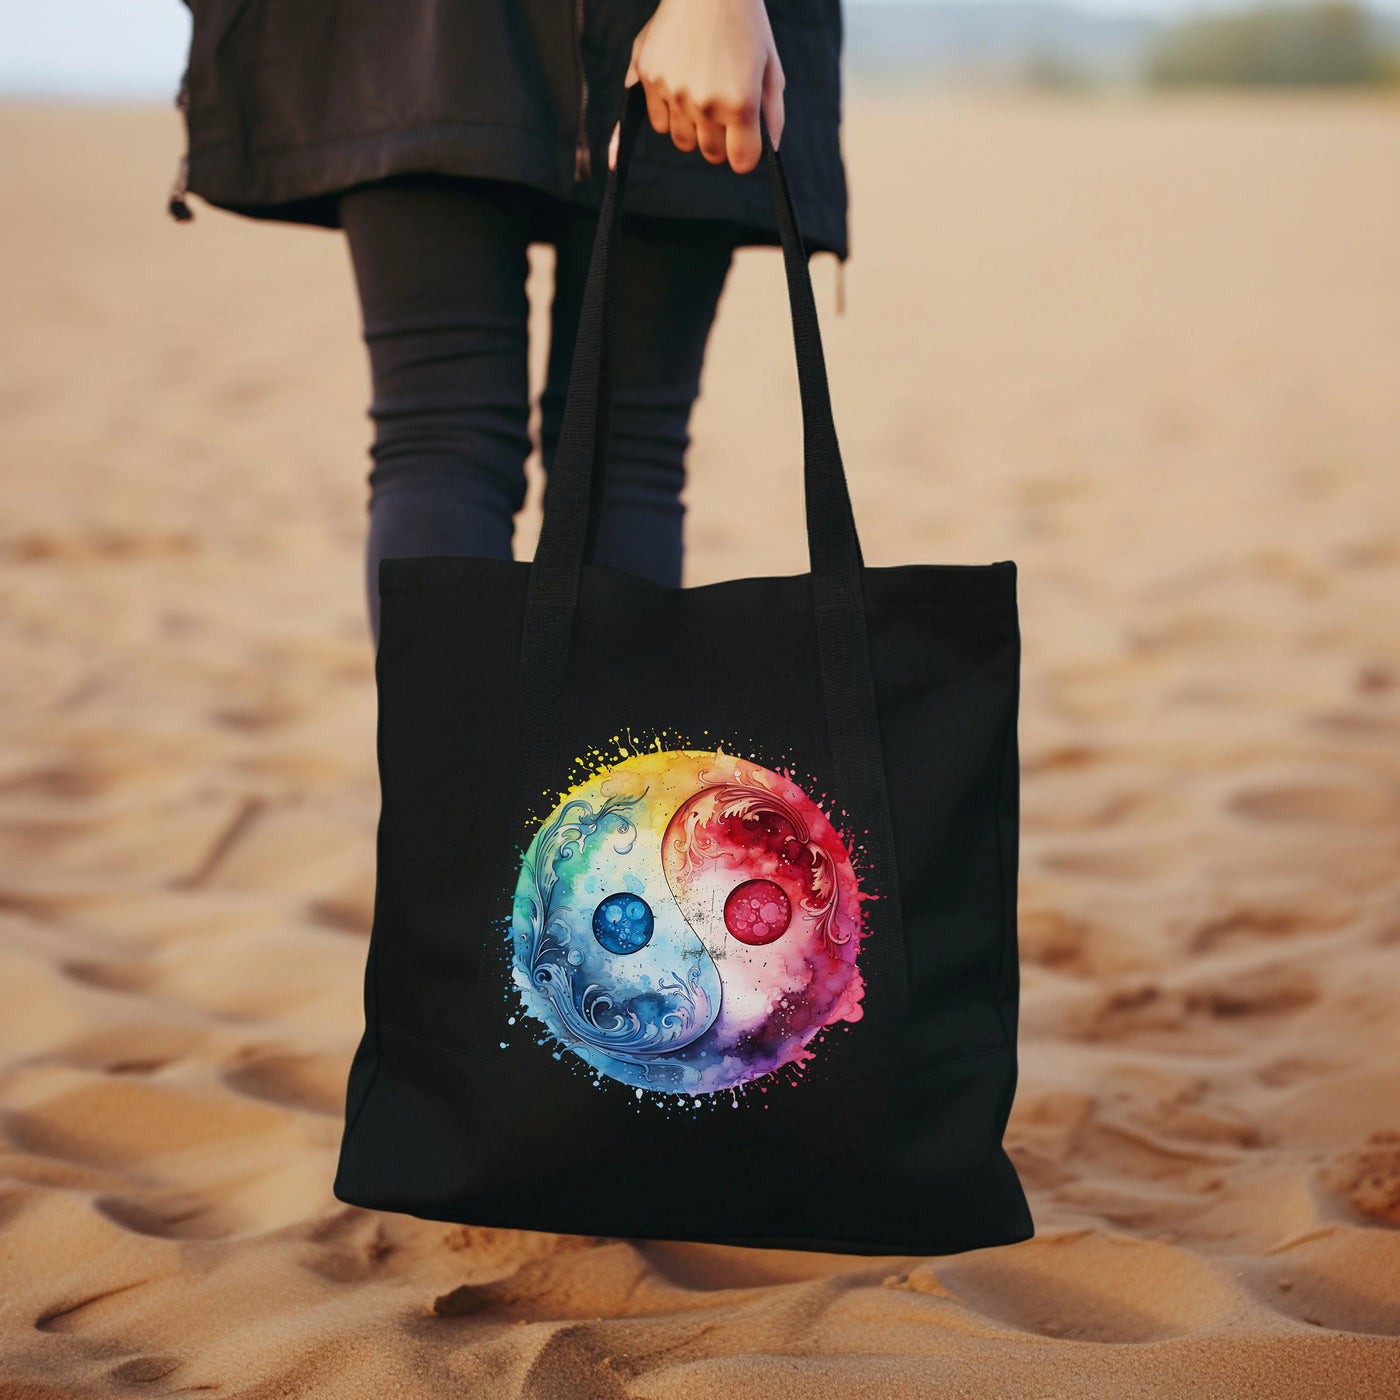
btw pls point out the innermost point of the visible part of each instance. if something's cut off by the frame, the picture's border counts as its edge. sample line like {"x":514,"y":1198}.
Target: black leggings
{"x":441,"y":267}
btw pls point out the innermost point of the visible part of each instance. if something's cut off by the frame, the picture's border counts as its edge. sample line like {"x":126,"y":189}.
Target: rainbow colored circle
{"x":687,"y":922}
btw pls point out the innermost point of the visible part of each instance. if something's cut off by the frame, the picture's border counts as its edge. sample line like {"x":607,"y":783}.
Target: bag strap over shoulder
{"x":573,"y":505}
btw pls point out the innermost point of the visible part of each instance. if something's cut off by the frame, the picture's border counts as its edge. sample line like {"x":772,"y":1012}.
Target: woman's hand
{"x":709,"y":67}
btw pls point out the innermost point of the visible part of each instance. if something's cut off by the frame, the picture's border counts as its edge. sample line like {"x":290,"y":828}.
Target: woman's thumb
{"x":634,"y":74}
{"x":773,"y":84}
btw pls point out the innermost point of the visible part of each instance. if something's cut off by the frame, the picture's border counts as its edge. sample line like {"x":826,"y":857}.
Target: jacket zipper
{"x":583,"y":157}
{"x":177,"y":204}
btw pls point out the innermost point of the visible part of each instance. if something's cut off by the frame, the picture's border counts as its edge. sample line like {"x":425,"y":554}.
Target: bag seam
{"x":963,"y":1059}
{"x":467,"y":1050}
{"x":1006,"y":749}
{"x":373,"y":974}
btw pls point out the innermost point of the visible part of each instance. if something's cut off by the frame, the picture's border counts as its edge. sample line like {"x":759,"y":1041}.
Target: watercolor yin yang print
{"x":687,"y":922}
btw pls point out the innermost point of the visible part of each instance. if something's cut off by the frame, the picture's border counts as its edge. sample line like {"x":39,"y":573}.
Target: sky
{"x":136,"y":48}
{"x":92,"y":48}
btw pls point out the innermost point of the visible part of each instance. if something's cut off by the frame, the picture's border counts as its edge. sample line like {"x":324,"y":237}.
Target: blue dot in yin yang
{"x":623,"y":923}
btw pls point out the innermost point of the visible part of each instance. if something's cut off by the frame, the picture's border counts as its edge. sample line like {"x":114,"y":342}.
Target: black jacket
{"x":290,"y":102}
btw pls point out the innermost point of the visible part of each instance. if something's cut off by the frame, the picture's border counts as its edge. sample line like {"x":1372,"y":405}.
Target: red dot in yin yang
{"x":757,"y":912}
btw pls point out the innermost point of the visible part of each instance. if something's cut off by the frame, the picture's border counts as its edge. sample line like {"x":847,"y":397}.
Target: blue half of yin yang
{"x":602,"y":952}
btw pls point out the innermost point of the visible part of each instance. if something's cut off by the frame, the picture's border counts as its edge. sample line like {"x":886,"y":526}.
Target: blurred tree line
{"x":1330,"y":43}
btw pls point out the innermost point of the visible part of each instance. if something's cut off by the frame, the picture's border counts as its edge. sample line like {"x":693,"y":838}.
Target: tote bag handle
{"x":575,"y":494}
{"x":573,"y":505}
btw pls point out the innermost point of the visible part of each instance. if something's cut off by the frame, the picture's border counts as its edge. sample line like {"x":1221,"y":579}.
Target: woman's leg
{"x":672,"y":273}
{"x":441,"y":269}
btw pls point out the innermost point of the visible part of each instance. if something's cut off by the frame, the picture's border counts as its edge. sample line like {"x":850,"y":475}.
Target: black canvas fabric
{"x":883,"y":700}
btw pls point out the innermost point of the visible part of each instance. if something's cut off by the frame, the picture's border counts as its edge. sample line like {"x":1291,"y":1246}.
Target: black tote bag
{"x":696,"y":907}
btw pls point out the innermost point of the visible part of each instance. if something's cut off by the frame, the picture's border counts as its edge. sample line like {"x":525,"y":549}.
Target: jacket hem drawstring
{"x":176,"y":203}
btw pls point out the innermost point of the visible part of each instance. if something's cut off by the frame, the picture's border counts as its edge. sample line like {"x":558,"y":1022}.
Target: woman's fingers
{"x":721,"y":134}
{"x":682,"y":127}
{"x":709,"y":68}
{"x":712,"y":137}
{"x":658,"y":109}
{"x":743,"y":144}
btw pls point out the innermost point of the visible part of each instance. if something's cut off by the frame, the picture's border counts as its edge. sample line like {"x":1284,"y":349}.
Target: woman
{"x":445,"y":136}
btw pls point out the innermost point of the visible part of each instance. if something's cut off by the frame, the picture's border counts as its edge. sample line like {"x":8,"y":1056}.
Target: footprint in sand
{"x":1342,"y":1279}
{"x":1137,"y":861}
{"x":72,"y":1317}
{"x":1094,"y":1288}
{"x":123,"y":1122}
{"x":1369,"y":1178}
{"x":1080,"y":947}
{"x":1257,"y":991}
{"x":166,"y":1217}
{"x":349,"y":1245}
{"x":313,"y":1082}
{"x":1052,"y":938}
{"x":1319,"y":804}
{"x":1144,"y":1006}
{"x":349,"y":910}
{"x":142,"y":1370}
{"x":71,"y":780}
{"x":1252,"y":925}
{"x":110,"y":975}
{"x":140,"y":1049}
{"x":86,"y":546}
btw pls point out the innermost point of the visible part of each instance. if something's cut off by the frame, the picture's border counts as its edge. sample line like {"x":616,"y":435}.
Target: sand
{"x":1147,"y":349}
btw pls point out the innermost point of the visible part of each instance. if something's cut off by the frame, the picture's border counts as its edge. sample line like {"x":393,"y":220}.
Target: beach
{"x":1148,"y":349}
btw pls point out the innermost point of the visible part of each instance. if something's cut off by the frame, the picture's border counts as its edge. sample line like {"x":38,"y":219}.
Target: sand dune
{"x":1149,"y":351}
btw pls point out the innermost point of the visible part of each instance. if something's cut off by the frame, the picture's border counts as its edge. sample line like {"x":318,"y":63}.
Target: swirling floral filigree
{"x":590,"y":1016}
{"x":561,"y":838}
{"x":694,"y":846}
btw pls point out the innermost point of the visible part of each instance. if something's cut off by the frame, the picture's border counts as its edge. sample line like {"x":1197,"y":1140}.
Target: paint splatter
{"x":686,"y":922}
